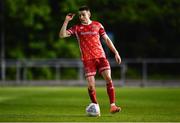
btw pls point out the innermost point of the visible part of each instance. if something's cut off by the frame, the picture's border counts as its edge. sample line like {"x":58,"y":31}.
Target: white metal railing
{"x":71,"y":63}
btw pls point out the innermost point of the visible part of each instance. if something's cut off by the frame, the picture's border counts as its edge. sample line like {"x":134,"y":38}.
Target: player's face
{"x":84,"y":16}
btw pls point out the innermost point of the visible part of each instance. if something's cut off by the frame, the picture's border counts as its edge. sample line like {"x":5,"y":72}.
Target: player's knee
{"x":91,"y":87}
{"x":108,"y":79}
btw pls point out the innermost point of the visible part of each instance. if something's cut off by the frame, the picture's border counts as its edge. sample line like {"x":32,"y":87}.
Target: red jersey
{"x":88,"y":37}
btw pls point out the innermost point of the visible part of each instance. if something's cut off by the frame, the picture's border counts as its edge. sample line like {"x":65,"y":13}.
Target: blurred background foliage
{"x":141,"y":28}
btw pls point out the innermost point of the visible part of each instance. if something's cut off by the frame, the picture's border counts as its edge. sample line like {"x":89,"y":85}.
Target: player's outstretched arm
{"x":63,"y":32}
{"x":112,"y":48}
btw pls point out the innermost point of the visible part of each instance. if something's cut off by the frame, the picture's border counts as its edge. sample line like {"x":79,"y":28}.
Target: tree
{"x":148,"y":28}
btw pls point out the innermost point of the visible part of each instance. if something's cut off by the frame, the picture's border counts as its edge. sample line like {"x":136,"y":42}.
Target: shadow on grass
{"x":46,"y":115}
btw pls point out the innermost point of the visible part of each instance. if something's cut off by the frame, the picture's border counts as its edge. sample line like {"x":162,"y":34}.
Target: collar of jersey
{"x":87,"y":24}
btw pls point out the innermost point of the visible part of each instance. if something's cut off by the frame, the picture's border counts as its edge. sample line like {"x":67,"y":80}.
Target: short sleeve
{"x":102,"y":30}
{"x":72,"y":30}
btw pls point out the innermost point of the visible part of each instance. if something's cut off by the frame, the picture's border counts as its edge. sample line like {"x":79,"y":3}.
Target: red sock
{"x":92,"y":95}
{"x":111,"y":92}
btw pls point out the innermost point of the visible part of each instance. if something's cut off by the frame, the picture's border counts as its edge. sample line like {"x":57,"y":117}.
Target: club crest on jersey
{"x":81,"y":27}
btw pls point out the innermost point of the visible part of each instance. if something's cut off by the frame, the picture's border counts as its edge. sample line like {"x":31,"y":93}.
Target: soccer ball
{"x":93,"y":110}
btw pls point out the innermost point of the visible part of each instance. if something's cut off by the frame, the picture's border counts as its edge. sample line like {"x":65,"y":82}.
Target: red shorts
{"x":100,"y":64}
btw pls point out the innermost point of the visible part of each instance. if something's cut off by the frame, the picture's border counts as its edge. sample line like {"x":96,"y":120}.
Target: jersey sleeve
{"x":102,"y":30}
{"x":72,"y":30}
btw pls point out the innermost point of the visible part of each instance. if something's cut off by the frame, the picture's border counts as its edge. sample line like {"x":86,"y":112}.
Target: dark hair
{"x":82,"y":8}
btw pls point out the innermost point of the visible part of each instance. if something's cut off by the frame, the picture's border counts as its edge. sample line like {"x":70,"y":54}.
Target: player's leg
{"x":109,"y":85}
{"x":105,"y":71}
{"x":90,"y":72}
{"x":91,"y":89}
{"x":110,"y":90}
{"x":91,"y":110}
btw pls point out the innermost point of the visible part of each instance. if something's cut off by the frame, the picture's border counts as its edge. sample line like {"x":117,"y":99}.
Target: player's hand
{"x":69,"y":16}
{"x":118,"y":58}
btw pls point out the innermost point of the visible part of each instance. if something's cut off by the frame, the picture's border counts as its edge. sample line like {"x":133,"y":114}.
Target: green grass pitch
{"x":67,"y":104}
